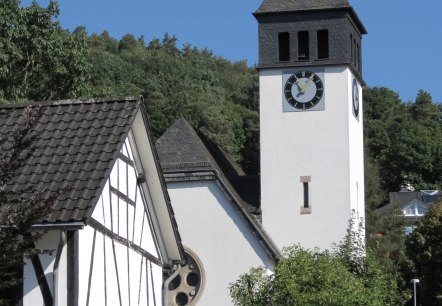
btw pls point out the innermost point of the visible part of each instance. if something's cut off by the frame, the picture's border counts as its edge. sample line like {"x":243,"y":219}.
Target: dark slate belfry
{"x":299,"y":33}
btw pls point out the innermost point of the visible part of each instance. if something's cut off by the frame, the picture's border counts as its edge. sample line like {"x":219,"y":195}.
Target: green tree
{"x":311,"y":277}
{"x":19,"y":208}
{"x":38,"y":59}
{"x":424,"y":249}
{"x":217,"y":97}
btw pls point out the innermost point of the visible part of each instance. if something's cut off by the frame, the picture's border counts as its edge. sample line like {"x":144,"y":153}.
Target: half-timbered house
{"x":112,"y":233}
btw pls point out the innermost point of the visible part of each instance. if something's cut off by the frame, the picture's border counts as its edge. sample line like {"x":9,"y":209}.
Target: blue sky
{"x":402,"y":51}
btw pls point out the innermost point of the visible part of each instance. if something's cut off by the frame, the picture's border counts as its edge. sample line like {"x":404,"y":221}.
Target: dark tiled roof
{"x":182,"y":150}
{"x":273,"y":6}
{"x":77,"y":145}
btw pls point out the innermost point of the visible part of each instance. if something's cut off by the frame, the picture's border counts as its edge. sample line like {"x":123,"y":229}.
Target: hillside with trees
{"x":39,"y":60}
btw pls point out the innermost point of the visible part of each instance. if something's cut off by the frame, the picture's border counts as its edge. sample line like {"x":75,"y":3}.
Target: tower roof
{"x":275,"y":6}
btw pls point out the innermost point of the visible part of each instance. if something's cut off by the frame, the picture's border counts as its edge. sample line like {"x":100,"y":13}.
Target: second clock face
{"x":303,"y":90}
{"x":355,"y":98}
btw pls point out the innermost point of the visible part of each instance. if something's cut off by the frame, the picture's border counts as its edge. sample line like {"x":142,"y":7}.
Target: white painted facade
{"x":211,"y":226}
{"x":118,"y":256}
{"x":326,"y":146}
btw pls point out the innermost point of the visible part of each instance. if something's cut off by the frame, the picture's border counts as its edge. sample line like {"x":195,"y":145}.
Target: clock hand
{"x":300,"y":87}
{"x":306,"y":85}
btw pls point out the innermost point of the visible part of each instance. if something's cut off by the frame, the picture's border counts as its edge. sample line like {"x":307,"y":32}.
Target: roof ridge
{"x":73,"y":101}
{"x":272,"y":6}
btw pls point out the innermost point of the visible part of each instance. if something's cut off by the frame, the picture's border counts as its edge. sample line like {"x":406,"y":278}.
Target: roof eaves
{"x":163,"y":184}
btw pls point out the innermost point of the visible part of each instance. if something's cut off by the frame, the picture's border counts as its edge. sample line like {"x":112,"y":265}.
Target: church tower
{"x":312,"y":163}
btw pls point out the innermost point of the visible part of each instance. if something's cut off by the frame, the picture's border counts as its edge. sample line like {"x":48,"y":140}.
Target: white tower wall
{"x":326,"y":146}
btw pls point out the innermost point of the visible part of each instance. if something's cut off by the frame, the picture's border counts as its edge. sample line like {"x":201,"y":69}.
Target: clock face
{"x":355,"y":97}
{"x":303,"y":90}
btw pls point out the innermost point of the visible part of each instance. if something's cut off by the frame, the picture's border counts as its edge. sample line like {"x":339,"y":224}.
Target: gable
{"x":122,"y":207}
{"x":74,"y":151}
{"x":415,"y":208}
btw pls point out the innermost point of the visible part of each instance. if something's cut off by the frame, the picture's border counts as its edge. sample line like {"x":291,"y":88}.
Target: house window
{"x":323,"y":47}
{"x":303,"y":46}
{"x":409,"y":211}
{"x":420,"y":210}
{"x":284,"y":46}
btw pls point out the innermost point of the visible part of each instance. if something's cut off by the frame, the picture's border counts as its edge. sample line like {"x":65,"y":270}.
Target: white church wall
{"x":356,"y":136}
{"x":312,"y":144}
{"x":211,"y":227}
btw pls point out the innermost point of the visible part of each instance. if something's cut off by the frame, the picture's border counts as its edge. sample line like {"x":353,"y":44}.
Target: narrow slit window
{"x":358,"y":50}
{"x":306,"y":199}
{"x":284,"y":46}
{"x":323,"y":44}
{"x":303,"y":46}
{"x":354,"y":51}
{"x":351,"y":47}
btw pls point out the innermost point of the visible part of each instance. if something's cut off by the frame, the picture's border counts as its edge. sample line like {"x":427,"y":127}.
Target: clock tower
{"x":312,"y":163}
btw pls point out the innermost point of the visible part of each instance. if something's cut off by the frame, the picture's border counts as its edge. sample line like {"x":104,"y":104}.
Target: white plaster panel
{"x":211,"y":226}
{"x":31,"y":290}
{"x":124,"y":150}
{"x":113,"y":179}
{"x":312,"y":143}
{"x":132,"y":183}
{"x":157,"y":273}
{"x":97,"y":280}
{"x":134,"y":280}
{"x":139,"y":216}
{"x":85,"y":243}
{"x":147,"y":239}
{"x":123,"y":273}
{"x":129,"y":149}
{"x":98,"y":213}
{"x":130,"y":216}
{"x":111,"y":275}
{"x":122,"y":175}
{"x":114,"y":206}
{"x":123,"y":221}
{"x":142,"y":295}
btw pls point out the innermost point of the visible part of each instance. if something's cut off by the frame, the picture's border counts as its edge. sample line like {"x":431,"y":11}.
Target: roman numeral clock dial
{"x":303,"y":90}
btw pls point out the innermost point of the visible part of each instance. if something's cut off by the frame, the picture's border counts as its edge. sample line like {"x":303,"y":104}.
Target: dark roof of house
{"x":273,"y":6}
{"x":182,"y":150}
{"x":76,"y":148}
{"x":402,"y":198}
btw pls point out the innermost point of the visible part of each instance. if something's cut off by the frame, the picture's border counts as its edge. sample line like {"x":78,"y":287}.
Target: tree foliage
{"x":216,"y":96}
{"x":424,"y":250}
{"x":38,"y":59}
{"x":403,"y":141}
{"x":20,"y":208}
{"x":312,"y":277}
